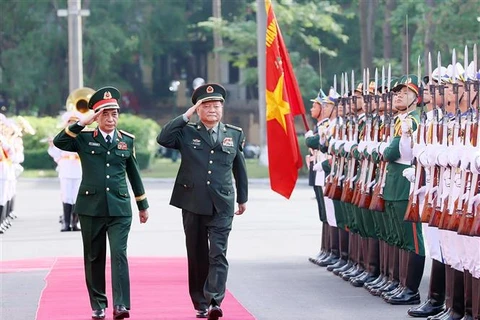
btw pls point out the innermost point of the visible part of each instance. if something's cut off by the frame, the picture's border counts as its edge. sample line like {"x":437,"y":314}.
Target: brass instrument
{"x":78,"y":100}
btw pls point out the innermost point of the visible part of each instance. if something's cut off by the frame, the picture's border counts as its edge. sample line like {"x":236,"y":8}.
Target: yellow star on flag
{"x":277,"y":108}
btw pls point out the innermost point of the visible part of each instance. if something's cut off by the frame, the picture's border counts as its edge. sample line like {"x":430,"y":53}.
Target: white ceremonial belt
{"x":405,"y":162}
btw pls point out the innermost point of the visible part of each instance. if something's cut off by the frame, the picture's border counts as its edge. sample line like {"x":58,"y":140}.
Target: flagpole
{"x":261,"y":60}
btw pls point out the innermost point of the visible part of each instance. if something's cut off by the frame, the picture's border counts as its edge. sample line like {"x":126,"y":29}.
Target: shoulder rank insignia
{"x":233,"y":127}
{"x":128,"y":134}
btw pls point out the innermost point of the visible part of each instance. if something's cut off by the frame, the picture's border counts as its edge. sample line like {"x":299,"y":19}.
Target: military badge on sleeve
{"x":122,"y":145}
{"x":227,"y":142}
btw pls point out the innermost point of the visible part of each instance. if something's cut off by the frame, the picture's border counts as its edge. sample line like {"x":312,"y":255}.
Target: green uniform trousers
{"x":94,"y":235}
{"x":207,"y":241}
{"x":407,"y":235}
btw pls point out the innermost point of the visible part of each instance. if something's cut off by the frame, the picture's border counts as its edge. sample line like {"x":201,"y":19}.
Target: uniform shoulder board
{"x":128,"y":134}
{"x":233,"y":127}
{"x":87,"y":129}
{"x":193,"y":124}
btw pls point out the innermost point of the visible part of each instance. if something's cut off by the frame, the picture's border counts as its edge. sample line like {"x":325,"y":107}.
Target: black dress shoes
{"x":428,"y":308}
{"x":345,"y":268}
{"x":120,"y":312}
{"x":340,"y":263}
{"x":214,"y":312}
{"x":98,"y":314}
{"x":405,"y":297}
{"x":365,"y":278}
{"x":202,"y":313}
{"x":331,"y":259}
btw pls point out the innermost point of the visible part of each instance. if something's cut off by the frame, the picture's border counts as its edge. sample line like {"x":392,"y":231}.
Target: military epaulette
{"x":193,"y":124}
{"x":128,"y":134}
{"x":87,"y":129}
{"x":233,"y":127}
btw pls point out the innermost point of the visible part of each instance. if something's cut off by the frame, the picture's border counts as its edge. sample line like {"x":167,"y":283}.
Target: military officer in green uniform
{"x":103,"y":202}
{"x":210,"y":151}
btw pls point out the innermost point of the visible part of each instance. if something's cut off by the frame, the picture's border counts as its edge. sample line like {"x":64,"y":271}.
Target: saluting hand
{"x":241,"y":208}
{"x":143,"y":214}
{"x":192,"y":109}
{"x":89,"y":119}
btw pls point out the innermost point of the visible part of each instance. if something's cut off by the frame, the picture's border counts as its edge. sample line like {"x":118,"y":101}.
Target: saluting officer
{"x":103,"y":203}
{"x":211,"y":151}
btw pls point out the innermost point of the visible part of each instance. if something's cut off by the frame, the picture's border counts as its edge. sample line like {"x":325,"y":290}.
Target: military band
{"x":403,"y":161}
{"x":11,"y":158}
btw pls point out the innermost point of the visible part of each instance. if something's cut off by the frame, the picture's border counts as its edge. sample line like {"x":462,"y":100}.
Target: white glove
{"x":348,"y":146}
{"x":382,"y":146}
{"x":476,"y":199}
{"x":420,"y":192}
{"x":418,"y":149}
{"x":318,"y":167}
{"x":361,"y":146}
{"x":475,"y":163}
{"x":406,"y":127}
{"x":442,"y":158}
{"x":309,"y":134}
{"x":409,"y":173}
{"x":454,"y":156}
{"x":372,"y":146}
{"x":423,"y":159}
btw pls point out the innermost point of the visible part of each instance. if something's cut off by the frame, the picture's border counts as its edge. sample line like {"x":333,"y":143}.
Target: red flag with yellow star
{"x":283,"y":103}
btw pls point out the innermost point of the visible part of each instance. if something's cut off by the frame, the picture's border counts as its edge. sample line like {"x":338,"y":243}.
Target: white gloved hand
{"x":372,"y":146}
{"x":361,"y":146}
{"x":309,"y":134}
{"x":475,"y":163}
{"x":409,"y":173}
{"x":318,"y":167}
{"x":423,"y":159}
{"x":418,"y":149}
{"x":382,"y":146}
{"x":454,"y":156}
{"x":348,"y":146}
{"x":406,"y":127}
{"x":442,"y":158}
{"x":420,"y":192}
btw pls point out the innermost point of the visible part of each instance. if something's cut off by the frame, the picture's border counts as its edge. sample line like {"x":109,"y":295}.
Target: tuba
{"x":78,"y":99}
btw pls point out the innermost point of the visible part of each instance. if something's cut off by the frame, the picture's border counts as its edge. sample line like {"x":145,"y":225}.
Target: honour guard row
{"x":395,"y":164}
{"x":11,"y":157}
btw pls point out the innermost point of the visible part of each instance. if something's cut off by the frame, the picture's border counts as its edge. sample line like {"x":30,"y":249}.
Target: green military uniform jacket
{"x":103,"y":190}
{"x":204,"y":180}
{"x":397,"y":187}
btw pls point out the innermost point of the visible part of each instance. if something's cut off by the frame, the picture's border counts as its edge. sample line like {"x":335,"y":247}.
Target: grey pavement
{"x":268,"y":254}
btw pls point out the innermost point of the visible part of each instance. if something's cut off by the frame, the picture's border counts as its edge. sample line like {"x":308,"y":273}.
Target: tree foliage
{"x":141,"y":45}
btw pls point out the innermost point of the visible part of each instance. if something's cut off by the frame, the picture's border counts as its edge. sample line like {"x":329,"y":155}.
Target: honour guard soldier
{"x":70,"y":174}
{"x":103,"y":204}
{"x":211,"y":151}
{"x":398,"y":153}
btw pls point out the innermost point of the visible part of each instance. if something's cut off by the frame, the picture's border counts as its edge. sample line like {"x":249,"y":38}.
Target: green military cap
{"x":209,"y":92}
{"x":104,"y":98}
{"x":410,"y":81}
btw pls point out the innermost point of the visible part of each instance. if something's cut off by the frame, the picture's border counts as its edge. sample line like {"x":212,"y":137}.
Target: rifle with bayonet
{"x":412,"y":213}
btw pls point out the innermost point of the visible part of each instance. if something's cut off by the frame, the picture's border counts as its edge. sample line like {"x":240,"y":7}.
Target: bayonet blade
{"x":430,"y":67}
{"x":376,"y":81}
{"x":389,"y":77}
{"x":454,"y":66}
{"x":465,"y":60}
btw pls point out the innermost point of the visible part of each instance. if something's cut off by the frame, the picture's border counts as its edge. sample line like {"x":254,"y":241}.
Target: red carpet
{"x":159,"y":290}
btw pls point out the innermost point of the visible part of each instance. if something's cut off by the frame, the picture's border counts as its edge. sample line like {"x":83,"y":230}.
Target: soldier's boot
{"x":414,"y":265}
{"x":67,"y":214}
{"x":467,"y":298}
{"x":381,"y":266}
{"x":458,"y":303}
{"x":449,"y":282}
{"x":476,"y":298}
{"x":334,"y":247}
{"x":74,"y":221}
{"x":393,"y":265}
{"x":12,"y":214}
{"x":435,"y":303}
{"x":2,"y":228}
{"x":342,"y":249}
{"x":323,"y":251}
{"x":7,"y":221}
{"x":325,"y":244}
